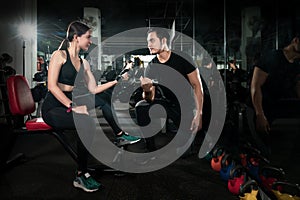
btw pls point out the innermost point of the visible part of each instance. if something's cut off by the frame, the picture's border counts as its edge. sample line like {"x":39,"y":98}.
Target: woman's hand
{"x":80,"y":109}
{"x":125,"y":76}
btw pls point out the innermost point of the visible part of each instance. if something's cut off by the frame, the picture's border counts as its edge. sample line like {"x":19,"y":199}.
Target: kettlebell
{"x":227,"y":163}
{"x":253,"y":167}
{"x":217,"y":155}
{"x":287,"y":191}
{"x":269,"y":174}
{"x":250,"y":185}
{"x":237,"y":178}
{"x":243,"y":159}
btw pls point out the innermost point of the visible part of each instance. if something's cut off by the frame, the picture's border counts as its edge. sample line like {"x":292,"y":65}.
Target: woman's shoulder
{"x":59,"y":52}
{"x":59,"y":56}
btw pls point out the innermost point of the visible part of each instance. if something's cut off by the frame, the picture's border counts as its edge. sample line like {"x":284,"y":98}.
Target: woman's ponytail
{"x":64,"y":45}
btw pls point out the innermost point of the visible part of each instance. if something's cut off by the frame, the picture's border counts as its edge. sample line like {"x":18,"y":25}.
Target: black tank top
{"x":68,"y":73}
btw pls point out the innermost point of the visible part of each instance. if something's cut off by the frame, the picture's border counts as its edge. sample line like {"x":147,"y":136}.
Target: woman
{"x":58,"y":108}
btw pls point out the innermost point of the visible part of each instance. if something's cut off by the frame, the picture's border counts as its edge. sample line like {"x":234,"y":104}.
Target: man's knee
{"x":141,"y":110}
{"x":142,"y":104}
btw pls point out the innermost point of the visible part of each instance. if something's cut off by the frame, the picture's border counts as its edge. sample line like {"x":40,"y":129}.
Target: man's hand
{"x":196,"y":124}
{"x":148,"y":88}
{"x":262,"y":124}
{"x":146,"y":84}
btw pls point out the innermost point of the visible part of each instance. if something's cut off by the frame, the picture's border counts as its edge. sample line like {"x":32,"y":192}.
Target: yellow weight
{"x":284,"y":196}
{"x":250,"y":196}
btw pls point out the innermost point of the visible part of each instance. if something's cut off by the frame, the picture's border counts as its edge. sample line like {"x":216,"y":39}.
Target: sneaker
{"x":86,"y":182}
{"x":125,"y":138}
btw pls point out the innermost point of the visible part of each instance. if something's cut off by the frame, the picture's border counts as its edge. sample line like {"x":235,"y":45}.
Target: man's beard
{"x":157,"y":51}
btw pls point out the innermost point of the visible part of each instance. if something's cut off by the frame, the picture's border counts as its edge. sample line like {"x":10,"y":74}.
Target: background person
{"x":276,"y":76}
{"x":5,"y":69}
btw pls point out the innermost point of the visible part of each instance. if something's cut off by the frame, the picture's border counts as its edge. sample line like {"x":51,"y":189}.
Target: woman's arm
{"x":92,"y":86}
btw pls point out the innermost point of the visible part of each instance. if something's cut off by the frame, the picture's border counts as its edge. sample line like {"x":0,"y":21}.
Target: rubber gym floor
{"x":48,"y":171}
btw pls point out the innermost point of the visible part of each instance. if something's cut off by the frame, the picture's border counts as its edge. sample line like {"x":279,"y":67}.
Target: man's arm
{"x":298,"y":86}
{"x":195,"y":81}
{"x":258,"y":80}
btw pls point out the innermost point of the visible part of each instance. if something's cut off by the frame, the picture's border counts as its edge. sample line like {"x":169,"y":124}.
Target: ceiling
{"x":118,"y":16}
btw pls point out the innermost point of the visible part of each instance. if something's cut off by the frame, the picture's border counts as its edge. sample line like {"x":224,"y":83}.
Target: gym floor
{"x":48,"y":172}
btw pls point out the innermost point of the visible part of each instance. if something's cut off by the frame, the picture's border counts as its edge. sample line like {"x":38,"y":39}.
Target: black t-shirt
{"x":282,"y":74}
{"x":180,"y":62}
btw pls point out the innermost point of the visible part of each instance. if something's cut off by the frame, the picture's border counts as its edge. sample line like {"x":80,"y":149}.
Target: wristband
{"x":70,"y":108}
{"x":124,"y":71}
{"x":118,"y":77}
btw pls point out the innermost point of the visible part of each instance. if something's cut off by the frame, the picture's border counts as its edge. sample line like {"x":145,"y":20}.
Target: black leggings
{"x":54,"y":114}
{"x":103,"y":101}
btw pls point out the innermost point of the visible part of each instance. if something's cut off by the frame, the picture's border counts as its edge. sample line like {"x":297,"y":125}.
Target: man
{"x":158,"y":45}
{"x":276,"y":77}
{"x":5,"y":70}
{"x":235,"y":78}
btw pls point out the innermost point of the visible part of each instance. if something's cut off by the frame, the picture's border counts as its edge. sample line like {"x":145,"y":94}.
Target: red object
{"x":21,"y":102}
{"x":243,"y":159}
{"x":268,"y":181}
{"x":37,"y":124}
{"x":216,"y":162}
{"x":235,"y":184}
{"x":69,"y":109}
